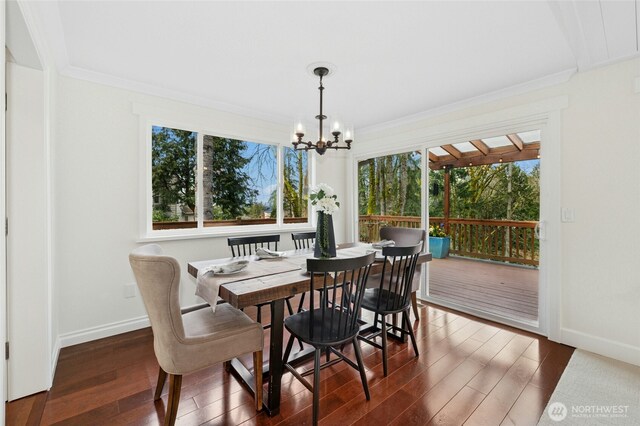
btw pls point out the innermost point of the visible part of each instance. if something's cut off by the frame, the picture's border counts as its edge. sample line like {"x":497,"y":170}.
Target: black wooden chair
{"x":392,"y":295}
{"x":334,"y":322}
{"x":304,"y":240}
{"x":246,"y":246}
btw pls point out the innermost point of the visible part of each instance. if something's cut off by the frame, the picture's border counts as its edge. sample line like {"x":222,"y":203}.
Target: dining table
{"x":271,"y":281}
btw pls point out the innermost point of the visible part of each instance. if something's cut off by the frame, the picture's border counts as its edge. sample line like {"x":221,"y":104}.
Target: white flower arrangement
{"x":324,"y":198}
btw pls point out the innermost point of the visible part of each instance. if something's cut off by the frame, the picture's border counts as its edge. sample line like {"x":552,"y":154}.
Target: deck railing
{"x":369,"y":226}
{"x":501,"y":240}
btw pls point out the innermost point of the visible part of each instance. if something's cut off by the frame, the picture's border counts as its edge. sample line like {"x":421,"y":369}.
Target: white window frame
{"x":147,"y":233}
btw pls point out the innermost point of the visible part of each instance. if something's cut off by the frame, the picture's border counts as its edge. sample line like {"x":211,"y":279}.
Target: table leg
{"x":275,"y":357}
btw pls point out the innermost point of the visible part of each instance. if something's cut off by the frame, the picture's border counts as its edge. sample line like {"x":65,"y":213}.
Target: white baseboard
{"x":601,"y":346}
{"x":101,"y":331}
{"x":54,"y":359}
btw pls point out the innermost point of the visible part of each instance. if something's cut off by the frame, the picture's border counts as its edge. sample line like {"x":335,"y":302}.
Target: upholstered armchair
{"x":185,"y":343}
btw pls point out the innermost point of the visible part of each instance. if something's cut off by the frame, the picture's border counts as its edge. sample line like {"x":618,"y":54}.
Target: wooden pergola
{"x":483,"y":154}
{"x":478,"y":152}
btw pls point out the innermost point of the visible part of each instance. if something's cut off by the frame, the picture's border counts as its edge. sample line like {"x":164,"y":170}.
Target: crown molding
{"x":152,"y":90}
{"x":540,"y":83}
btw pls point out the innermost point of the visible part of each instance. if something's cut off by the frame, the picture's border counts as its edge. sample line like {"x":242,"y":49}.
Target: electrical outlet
{"x":129,"y":290}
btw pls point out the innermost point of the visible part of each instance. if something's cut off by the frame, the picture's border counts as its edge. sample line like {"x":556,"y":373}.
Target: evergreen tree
{"x":173,"y":158}
{"x":230,"y":186}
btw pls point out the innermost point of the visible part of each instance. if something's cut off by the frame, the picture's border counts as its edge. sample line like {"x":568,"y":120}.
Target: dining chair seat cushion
{"x":211,"y":338}
{"x":328,"y":326}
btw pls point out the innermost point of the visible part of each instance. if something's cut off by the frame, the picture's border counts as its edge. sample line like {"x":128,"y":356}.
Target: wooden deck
{"x":499,"y":289}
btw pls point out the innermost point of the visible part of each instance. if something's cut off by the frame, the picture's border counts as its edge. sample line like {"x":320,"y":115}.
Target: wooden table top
{"x":264,"y":289}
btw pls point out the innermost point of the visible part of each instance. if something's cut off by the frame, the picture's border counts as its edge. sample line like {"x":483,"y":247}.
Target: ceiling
{"x":392,"y":59}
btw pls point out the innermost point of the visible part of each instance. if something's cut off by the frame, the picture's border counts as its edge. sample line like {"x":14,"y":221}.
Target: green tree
{"x":230,"y":186}
{"x":295,"y":199}
{"x":498,"y":191}
{"x":173,"y":159}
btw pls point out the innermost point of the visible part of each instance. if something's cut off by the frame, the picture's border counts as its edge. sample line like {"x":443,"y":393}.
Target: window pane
{"x":239,"y":182}
{"x":296,"y":186}
{"x":389,"y":194}
{"x":173,"y":178}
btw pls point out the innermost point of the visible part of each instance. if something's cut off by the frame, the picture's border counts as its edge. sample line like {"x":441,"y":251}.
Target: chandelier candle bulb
{"x":348,"y":134}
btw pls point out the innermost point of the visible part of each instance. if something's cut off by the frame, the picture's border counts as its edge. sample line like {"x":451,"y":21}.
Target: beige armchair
{"x":187,"y":343}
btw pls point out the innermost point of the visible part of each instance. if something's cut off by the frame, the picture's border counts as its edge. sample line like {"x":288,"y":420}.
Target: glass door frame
{"x":545,"y":116}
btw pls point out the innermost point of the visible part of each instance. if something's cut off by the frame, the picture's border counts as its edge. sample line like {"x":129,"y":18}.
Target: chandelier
{"x":322,"y":145}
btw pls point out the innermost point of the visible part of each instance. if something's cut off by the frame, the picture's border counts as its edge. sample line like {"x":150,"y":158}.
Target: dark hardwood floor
{"x":470,"y":371}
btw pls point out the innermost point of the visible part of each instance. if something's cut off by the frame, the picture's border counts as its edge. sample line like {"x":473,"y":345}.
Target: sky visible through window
{"x":262,"y":169}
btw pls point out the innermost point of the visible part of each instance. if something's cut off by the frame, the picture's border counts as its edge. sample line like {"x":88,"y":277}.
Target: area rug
{"x":595,"y":390}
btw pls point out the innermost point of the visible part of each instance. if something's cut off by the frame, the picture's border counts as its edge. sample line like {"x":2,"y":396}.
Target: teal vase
{"x":439,"y":246}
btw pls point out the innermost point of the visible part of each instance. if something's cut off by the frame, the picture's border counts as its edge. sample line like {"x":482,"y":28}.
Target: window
{"x":202,"y":181}
{"x":389,"y":194}
{"x":173,"y":178}
{"x":296,"y":186}
{"x":240,"y":182}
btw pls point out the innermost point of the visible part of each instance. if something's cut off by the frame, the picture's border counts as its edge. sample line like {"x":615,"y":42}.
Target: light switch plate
{"x":568,"y":215}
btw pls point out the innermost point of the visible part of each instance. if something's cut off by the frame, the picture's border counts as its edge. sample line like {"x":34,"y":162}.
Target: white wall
{"x":97,"y":200}
{"x":600,"y":150}
{"x":28,"y":255}
{"x":3,"y":277}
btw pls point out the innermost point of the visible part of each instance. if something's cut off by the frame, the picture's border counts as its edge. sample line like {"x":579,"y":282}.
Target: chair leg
{"x":405,"y":315}
{"x":316,"y":385}
{"x":289,"y":307}
{"x":175,"y":383}
{"x":227,"y":366}
{"x":363,"y":375}
{"x":287,"y":351}
{"x":257,"y":376}
{"x":414,"y":305}
{"x":301,"y":304}
{"x":162,"y":377}
{"x":259,"y":316}
{"x":384,"y":344}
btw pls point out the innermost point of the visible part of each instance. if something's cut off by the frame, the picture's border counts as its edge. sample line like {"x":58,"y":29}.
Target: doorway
{"x":483,"y":207}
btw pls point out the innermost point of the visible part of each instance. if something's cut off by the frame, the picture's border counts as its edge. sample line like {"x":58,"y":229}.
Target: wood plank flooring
{"x":500,"y":289}
{"x":470,"y":371}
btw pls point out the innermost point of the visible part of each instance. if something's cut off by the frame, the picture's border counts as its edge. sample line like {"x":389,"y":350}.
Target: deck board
{"x":499,"y":289}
